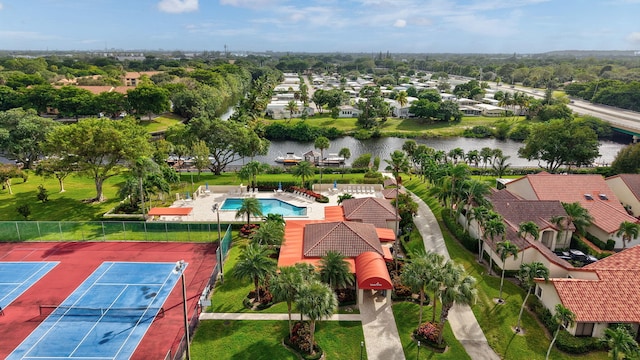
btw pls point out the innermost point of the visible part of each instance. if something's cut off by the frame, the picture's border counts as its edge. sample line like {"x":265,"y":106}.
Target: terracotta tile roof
{"x":503,"y":194}
{"x":541,"y":212}
{"x":391,"y":193}
{"x":389,"y":182}
{"x":632,"y":181}
{"x":607,"y":214}
{"x":613,"y":297}
{"x":369,"y":210}
{"x":349,"y":238}
{"x":333,"y":213}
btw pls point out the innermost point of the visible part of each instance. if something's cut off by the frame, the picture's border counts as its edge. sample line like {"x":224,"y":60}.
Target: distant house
{"x":277,"y":109}
{"x":627,"y":189}
{"x":490,"y":110}
{"x":591,"y":191}
{"x":133,"y":78}
{"x":599,"y":294}
{"x":348,"y":111}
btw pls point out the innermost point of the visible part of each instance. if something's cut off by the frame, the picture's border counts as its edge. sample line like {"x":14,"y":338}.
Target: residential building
{"x":590,"y":190}
{"x":627,"y":189}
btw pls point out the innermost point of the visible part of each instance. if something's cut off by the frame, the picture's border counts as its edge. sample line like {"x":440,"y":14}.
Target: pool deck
{"x":203,"y":201}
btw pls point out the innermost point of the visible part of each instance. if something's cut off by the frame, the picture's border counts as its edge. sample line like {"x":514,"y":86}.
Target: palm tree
{"x":398,"y":163}
{"x":270,"y":233}
{"x":250,"y":172}
{"x":291,"y":107}
{"x":480,"y":214}
{"x":473,"y":157}
{"x":401,"y":98}
{"x":500,"y":165}
{"x":457,"y":175}
{"x":455,"y":287}
{"x":420,"y":274}
{"x":564,"y":318}
{"x":343,"y":197}
{"x":284,"y":287}
{"x":528,"y":228}
{"x":254,"y":263}
{"x":304,"y":170}
{"x":321,"y":143}
{"x":494,"y":227}
{"x":346,"y":154}
{"x":274,"y":217}
{"x":628,"y":231}
{"x":455,"y":154}
{"x":486,"y":154}
{"x":141,"y":168}
{"x":578,"y":215}
{"x":505,"y":249}
{"x":621,"y":343}
{"x":334,"y":270}
{"x":250,"y":206}
{"x":527,"y":275}
{"x":316,"y":300}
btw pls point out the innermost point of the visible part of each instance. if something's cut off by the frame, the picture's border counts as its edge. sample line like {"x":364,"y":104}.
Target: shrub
{"x":346,"y":296}
{"x":479,"y":131}
{"x":43,"y":194}
{"x":458,"y":232}
{"x":427,"y":332}
{"x":299,"y":341}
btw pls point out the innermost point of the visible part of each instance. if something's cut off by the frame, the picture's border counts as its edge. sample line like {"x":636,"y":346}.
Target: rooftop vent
{"x":588,"y":196}
{"x":603,"y":196}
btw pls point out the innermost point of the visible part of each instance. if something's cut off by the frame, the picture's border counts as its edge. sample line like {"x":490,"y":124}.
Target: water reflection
{"x":382,"y":147}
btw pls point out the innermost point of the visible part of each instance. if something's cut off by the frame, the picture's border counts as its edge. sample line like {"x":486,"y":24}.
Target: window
{"x":538,"y":291}
{"x":584,"y":329}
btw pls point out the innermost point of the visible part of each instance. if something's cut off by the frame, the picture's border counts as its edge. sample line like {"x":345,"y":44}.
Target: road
{"x":625,"y":119}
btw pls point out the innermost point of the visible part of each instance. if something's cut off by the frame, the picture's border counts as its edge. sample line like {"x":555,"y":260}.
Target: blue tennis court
{"x":106,"y":317}
{"x":17,"y":277}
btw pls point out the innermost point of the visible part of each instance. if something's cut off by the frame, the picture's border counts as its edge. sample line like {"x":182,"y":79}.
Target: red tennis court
{"x":78,"y":260}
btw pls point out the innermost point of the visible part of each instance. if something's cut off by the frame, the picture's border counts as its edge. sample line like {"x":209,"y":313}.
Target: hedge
{"x":565,"y":342}
{"x":458,"y":232}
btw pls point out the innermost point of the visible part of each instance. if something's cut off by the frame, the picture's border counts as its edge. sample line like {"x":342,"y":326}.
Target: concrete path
{"x":463,"y":323}
{"x":261,"y":316}
{"x":382,"y":340}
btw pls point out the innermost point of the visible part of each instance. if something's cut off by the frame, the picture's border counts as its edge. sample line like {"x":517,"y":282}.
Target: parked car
{"x":564,"y":255}
{"x":580,"y":256}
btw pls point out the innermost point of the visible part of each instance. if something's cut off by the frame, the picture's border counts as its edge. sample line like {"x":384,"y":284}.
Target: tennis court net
{"x":135,"y":312}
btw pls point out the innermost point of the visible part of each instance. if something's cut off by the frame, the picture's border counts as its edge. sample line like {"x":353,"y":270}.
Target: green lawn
{"x":406,"y":315}
{"x":161,"y":123}
{"x":261,"y":340}
{"x":403,"y":126}
{"x":495,"y":320}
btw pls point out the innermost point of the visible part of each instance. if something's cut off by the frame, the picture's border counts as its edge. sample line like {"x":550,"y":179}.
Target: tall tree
{"x":480,"y":214}
{"x":346,"y":154}
{"x":505,"y":250}
{"x":560,"y":143}
{"x":200,"y":153}
{"x":334,"y":270}
{"x":100,"y":146}
{"x":500,"y":165}
{"x":321,"y":143}
{"x":250,"y":206}
{"x":23,"y":133}
{"x":527,"y":275}
{"x":456,"y":287}
{"x":528,"y":228}
{"x":303,"y":170}
{"x":422,"y":274}
{"x":291,"y":107}
{"x":8,"y":172}
{"x":256,"y":264}
{"x":317,"y":301}
{"x":397,"y":165}
{"x":57,"y":167}
{"x":578,"y":215}
{"x":628,"y":231}
{"x":494,"y":227}
{"x":284,"y":287}
{"x":148,"y":99}
{"x":564,"y":318}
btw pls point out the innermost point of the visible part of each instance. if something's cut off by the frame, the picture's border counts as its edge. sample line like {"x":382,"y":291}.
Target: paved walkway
{"x":262,"y":316}
{"x":382,"y":340}
{"x":463,"y":323}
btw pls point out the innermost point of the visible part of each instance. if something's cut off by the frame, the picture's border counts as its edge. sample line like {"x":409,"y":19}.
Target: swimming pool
{"x":269,"y":206}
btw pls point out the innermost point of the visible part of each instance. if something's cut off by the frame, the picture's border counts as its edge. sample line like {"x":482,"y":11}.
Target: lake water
{"x":382,"y":147}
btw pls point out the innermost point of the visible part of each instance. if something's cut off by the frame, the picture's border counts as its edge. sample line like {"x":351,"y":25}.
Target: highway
{"x":619,"y":118}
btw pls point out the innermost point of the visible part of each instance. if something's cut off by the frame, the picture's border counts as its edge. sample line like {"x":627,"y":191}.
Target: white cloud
{"x":1,"y":6}
{"x":178,"y":6}
{"x":400,"y":23}
{"x":252,"y":4}
{"x":634,"y":38}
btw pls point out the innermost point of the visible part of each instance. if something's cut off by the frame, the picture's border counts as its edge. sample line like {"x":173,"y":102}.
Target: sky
{"x":369,"y":26}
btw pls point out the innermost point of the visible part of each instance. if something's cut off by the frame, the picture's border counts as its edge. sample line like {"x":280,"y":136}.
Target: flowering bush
{"x":246,"y":230}
{"x":299,"y":341}
{"x":428,"y":331}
